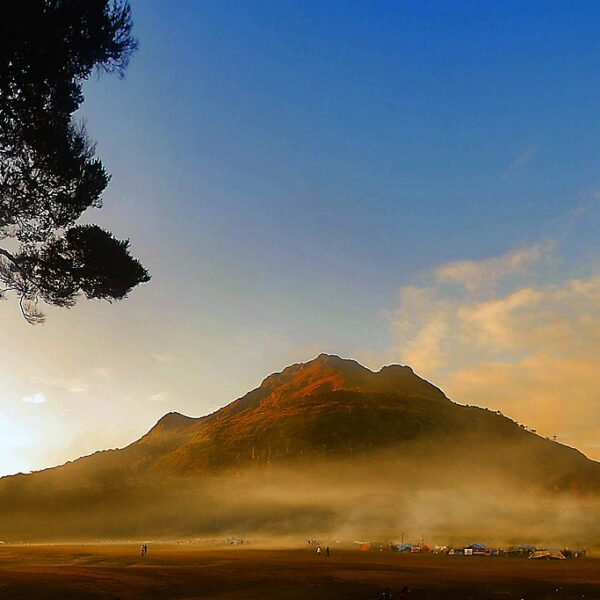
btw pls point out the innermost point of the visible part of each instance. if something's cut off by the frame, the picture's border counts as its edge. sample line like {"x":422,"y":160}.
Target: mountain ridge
{"x":324,"y":374}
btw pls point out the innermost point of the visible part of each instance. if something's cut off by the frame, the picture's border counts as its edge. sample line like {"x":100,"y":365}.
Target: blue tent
{"x":476,"y":547}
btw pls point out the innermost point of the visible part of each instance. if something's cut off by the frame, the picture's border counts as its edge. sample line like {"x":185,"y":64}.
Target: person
{"x":327,"y":551}
{"x":142,"y":550}
{"x":403,"y":593}
{"x":318,"y":550}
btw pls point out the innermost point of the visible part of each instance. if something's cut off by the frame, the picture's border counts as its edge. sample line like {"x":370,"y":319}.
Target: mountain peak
{"x":324,"y":369}
{"x":332,"y":359}
{"x":173,"y":420}
{"x":329,"y":372}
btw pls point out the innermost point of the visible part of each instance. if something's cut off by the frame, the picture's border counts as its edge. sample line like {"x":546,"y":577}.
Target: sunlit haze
{"x":413,"y":183}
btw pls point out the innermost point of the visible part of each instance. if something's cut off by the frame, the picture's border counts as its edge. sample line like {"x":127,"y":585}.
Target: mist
{"x":412,"y":491}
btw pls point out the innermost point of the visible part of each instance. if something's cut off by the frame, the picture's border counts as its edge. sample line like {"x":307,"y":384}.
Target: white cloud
{"x":159,"y":397}
{"x":165,"y":358}
{"x":474,"y":274}
{"x":37,"y":398}
{"x":73,"y":386}
{"x":77,"y":387}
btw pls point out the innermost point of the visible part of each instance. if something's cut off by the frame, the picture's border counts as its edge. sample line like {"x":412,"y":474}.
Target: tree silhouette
{"x":49,"y":173}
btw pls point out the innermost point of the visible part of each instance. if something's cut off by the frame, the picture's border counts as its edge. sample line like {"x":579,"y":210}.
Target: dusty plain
{"x":249,"y":573}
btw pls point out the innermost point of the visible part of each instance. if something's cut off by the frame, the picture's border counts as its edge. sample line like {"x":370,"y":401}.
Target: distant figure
{"x":386,"y":594}
{"x":327,"y":551}
{"x":403,"y":593}
{"x":318,"y":550}
{"x":142,"y":550}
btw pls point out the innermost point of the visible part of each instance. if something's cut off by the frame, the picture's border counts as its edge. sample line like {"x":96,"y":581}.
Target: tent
{"x":476,"y":547}
{"x":363,"y":546}
{"x":547,"y":554}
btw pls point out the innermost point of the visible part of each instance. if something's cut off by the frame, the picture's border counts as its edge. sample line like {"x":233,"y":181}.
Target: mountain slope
{"x":328,"y":418}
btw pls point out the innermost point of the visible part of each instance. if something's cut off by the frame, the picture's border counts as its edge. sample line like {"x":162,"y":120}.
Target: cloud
{"x":555,"y":395}
{"x":521,"y":162}
{"x":528,"y":347}
{"x":589,"y":202}
{"x":475,"y":274}
{"x":37,"y":398}
{"x":103,"y":372}
{"x":165,"y":358}
{"x":17,"y":436}
{"x":73,"y":386}
{"x":159,"y":397}
{"x":420,"y":322}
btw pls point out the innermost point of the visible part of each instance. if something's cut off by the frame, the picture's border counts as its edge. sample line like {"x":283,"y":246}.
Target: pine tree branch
{"x":9,"y":255}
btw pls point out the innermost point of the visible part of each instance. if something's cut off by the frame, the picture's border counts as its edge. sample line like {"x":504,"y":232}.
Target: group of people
{"x":144,"y":549}
{"x":387,"y":594}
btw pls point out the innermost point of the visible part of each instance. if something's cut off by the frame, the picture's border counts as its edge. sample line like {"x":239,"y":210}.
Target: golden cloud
{"x":529,"y":350}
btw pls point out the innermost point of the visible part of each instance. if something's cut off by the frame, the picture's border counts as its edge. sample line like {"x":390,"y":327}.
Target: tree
{"x":49,"y":172}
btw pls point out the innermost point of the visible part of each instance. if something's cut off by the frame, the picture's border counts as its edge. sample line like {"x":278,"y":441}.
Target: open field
{"x":169,"y":571}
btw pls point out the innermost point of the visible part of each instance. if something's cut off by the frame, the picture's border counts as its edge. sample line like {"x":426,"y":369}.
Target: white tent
{"x":548,"y":554}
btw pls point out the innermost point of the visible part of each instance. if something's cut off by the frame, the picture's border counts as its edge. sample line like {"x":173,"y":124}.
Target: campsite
{"x":519,"y":550}
{"x":253,"y":572}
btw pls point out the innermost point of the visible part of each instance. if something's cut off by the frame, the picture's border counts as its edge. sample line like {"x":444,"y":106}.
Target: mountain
{"x":300,"y":451}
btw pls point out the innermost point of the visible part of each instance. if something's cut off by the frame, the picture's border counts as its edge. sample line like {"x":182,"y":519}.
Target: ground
{"x":245,"y":573}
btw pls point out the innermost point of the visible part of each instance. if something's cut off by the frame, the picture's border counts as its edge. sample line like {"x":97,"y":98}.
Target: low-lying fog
{"x":445,"y":494}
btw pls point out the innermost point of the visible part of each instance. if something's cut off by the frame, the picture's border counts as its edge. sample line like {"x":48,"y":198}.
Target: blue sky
{"x":288,"y":170}
{"x":363,"y":141}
